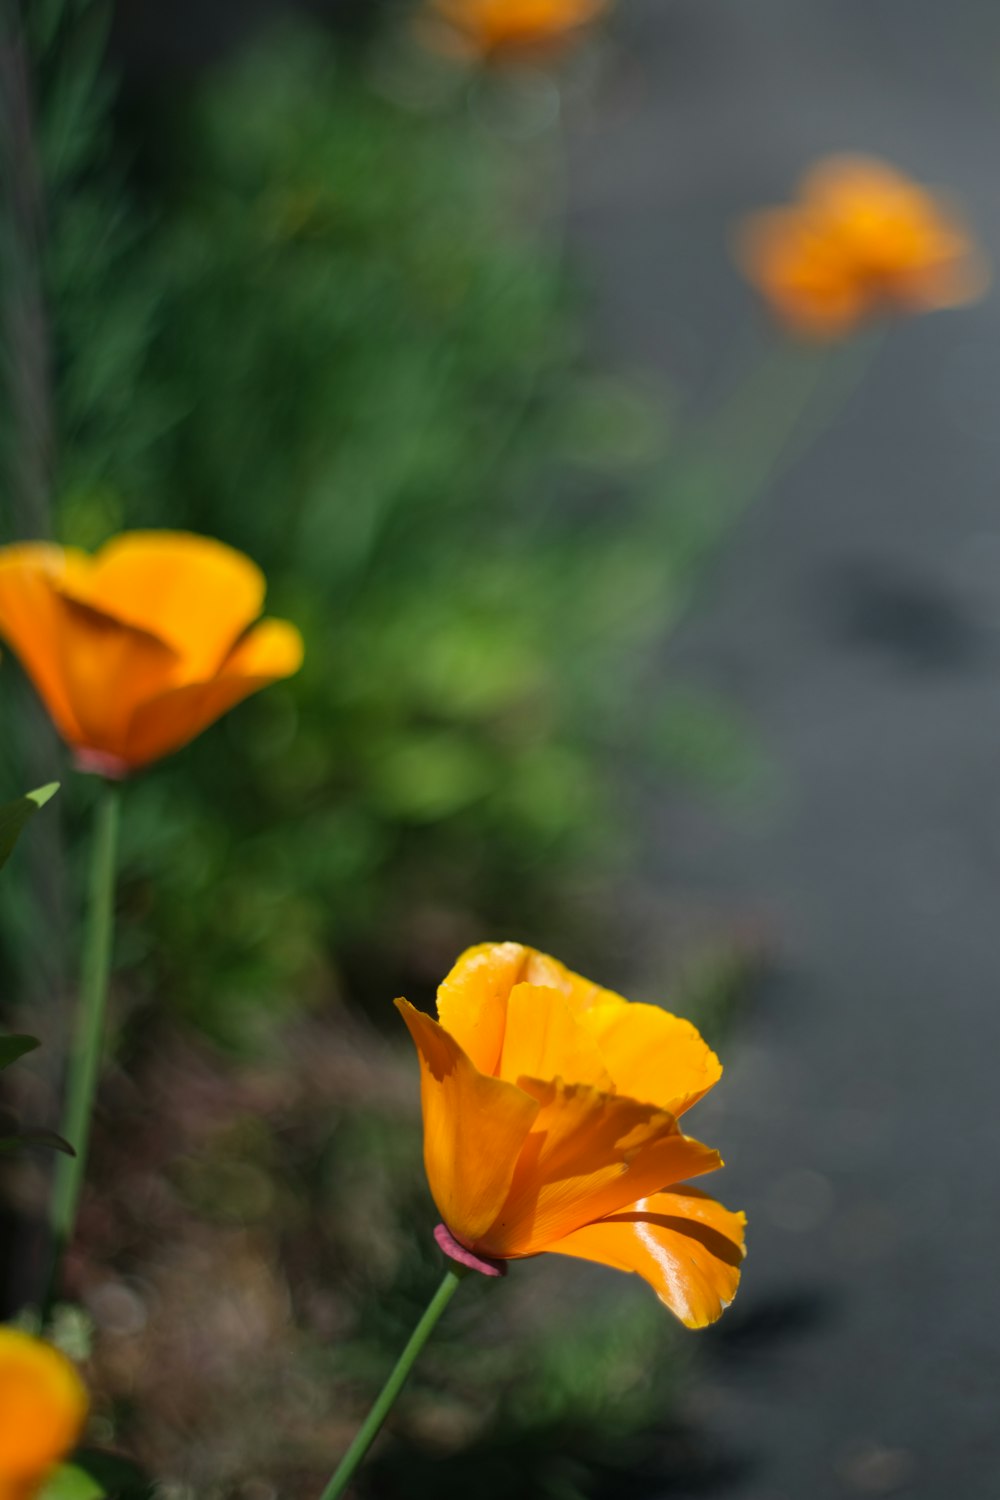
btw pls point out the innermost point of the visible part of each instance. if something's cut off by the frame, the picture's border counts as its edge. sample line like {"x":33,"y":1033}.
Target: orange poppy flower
{"x":487,"y":28}
{"x":43,"y":1406}
{"x":550,"y":1125}
{"x":862,"y":240}
{"x":136,"y":650}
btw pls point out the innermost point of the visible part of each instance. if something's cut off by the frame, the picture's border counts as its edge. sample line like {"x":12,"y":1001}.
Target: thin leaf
{"x":93,"y":1475}
{"x":46,"y":1140}
{"x":70,"y":1482}
{"x":13,"y":1047}
{"x":14,"y":815}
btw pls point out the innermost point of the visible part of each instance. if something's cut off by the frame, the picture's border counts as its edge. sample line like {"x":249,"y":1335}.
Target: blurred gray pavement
{"x":854,"y":616}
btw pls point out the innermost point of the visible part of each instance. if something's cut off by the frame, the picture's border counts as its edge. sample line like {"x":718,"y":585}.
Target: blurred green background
{"x":327,"y":318}
{"x":315,"y":302}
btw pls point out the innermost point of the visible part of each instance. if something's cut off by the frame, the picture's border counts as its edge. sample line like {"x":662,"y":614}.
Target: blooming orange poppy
{"x":138,"y":648}
{"x":551,"y":1113}
{"x":861,"y":240}
{"x":43,"y":1406}
{"x":487,"y":28}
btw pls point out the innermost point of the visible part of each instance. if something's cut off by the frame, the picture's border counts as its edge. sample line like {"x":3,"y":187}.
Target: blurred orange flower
{"x":136,"y":650}
{"x":486,"y":28}
{"x":43,"y":1406}
{"x":550,"y":1125}
{"x":861,"y":240}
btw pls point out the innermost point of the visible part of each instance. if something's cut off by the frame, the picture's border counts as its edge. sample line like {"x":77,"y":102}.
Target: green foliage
{"x":343,"y":351}
{"x":101,"y":303}
{"x":70,"y":303}
{"x":375,"y":387}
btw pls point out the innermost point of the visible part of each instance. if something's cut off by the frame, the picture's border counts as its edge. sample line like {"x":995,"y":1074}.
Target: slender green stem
{"x":85,"y":1057}
{"x":768,"y":419}
{"x":352,"y":1459}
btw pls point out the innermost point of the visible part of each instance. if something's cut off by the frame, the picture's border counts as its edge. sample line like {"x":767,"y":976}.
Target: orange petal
{"x":859,"y":196}
{"x":43,"y":1405}
{"x":28,"y":622}
{"x":544,"y":1039}
{"x":172,"y":718}
{"x":192,"y":591}
{"x":108,"y":668}
{"x":588,"y":1154}
{"x":648,"y":1053}
{"x":808,"y":280}
{"x":909,"y":242}
{"x":947,"y":270}
{"x":472,"y":1001}
{"x":474,"y":1128}
{"x":496,"y":25}
{"x":654,"y":1056}
{"x":688,"y":1247}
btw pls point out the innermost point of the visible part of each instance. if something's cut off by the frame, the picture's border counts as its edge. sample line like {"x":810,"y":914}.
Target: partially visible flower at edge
{"x":43,"y":1406}
{"x":551,"y":1112}
{"x":491,"y":29}
{"x":861,"y":241}
{"x":138,"y":648}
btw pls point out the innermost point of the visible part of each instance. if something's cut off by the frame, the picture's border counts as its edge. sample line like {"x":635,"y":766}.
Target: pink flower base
{"x":484,"y":1264}
{"x":100,"y":763}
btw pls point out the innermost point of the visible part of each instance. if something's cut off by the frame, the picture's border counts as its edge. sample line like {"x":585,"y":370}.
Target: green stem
{"x":85,"y":1058}
{"x":352,"y":1459}
{"x":769,"y":418}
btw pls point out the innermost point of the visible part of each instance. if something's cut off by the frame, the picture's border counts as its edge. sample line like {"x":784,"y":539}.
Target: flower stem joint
{"x":486,"y":1265}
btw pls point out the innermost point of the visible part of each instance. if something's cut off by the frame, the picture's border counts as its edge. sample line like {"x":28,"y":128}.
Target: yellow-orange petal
{"x":170,"y":719}
{"x":583,"y":994}
{"x":685,"y":1244}
{"x":544,"y":1039}
{"x":192,"y":591}
{"x":653,"y":1055}
{"x":474,"y":1128}
{"x":43,"y":1406}
{"x":29,"y":624}
{"x":107,"y":668}
{"x":649,"y":1054}
{"x":472,"y":1000}
{"x":588,"y":1154}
